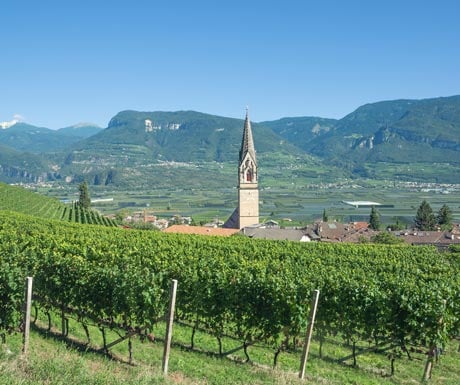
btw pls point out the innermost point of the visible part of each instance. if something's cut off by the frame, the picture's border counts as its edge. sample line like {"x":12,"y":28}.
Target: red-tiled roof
{"x":199,"y":230}
{"x":360,"y":225}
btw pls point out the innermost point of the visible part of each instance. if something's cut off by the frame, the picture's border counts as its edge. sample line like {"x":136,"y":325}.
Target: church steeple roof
{"x":247,"y":145}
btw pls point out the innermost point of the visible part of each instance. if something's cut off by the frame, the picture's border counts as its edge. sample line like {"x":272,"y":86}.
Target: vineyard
{"x":255,"y":291}
{"x":21,"y":200}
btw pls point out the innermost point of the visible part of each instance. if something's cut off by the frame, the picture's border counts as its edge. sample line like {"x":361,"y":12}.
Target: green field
{"x":299,"y":200}
{"x":290,"y":187}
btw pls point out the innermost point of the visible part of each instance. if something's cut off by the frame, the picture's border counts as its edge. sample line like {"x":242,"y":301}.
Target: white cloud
{"x":18,"y":117}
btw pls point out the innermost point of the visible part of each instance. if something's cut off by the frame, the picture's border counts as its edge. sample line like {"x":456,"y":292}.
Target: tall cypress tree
{"x":445,"y":216}
{"x":84,"y":200}
{"x":374,"y":219}
{"x":425,"y":219}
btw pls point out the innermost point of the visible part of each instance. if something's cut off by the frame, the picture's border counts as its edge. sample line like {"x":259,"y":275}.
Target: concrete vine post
{"x":169,"y":325}
{"x":27,"y":311}
{"x":306,"y":347}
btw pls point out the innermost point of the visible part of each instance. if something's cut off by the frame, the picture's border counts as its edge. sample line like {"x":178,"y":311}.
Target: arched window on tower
{"x":249,"y":175}
{"x":248,"y":172}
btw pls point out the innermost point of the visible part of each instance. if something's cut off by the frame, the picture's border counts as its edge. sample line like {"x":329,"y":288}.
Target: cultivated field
{"x":300,"y":201}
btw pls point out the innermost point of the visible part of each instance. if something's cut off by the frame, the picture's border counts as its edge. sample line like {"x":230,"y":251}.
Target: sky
{"x":67,"y":61}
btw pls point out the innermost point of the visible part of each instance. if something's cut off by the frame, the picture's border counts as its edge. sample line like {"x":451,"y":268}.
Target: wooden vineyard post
{"x":26,"y":322}
{"x":169,"y":325}
{"x":429,"y":364}
{"x":306,"y":347}
{"x":433,"y":352}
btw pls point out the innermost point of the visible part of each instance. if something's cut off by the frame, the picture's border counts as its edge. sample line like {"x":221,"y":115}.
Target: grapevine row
{"x":21,"y":200}
{"x":254,"y":290}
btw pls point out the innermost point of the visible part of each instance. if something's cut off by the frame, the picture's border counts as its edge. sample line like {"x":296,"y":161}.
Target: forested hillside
{"x":407,"y":131}
{"x":28,"y":138}
{"x":182,"y":136}
{"x":21,"y":166}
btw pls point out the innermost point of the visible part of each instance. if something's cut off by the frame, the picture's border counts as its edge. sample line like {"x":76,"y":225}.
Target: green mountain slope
{"x":81,"y":131}
{"x":18,"y":166}
{"x":434,"y":121}
{"x":182,"y":148}
{"x":145,"y":148}
{"x":377,"y":138}
{"x":182,"y":136}
{"x":395,"y":131}
{"x":25,"y":137}
{"x":301,"y":130}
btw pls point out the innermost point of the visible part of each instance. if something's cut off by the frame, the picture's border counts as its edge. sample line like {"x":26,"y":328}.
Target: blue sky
{"x":65,"y":62}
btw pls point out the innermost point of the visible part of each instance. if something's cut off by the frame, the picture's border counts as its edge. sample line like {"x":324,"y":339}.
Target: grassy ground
{"x":53,"y":360}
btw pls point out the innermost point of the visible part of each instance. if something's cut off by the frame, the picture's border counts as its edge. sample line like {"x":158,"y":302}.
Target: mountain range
{"x":390,"y":131}
{"x":375,"y":141}
{"x":29,"y":138}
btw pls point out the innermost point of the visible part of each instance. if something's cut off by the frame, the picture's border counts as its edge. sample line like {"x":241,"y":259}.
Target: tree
{"x":374,"y":219}
{"x":445,"y":217}
{"x":110,"y":177}
{"x":425,"y":219}
{"x":121,"y":215}
{"x":325,"y":217}
{"x":84,"y":200}
{"x":398,"y":225}
{"x":386,"y":238}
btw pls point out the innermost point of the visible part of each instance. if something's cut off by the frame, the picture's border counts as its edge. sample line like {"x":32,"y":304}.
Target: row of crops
{"x":252,"y":290}
{"x":75,"y":213}
{"x":21,"y":200}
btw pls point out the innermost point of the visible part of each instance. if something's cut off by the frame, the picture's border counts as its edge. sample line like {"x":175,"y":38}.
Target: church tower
{"x":248,"y":190}
{"x":247,"y":212}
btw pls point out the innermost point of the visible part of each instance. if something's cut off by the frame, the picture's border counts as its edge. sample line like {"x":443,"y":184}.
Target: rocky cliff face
{"x":388,"y":134}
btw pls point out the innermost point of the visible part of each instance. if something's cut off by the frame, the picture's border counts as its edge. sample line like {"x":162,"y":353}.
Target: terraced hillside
{"x":18,"y":199}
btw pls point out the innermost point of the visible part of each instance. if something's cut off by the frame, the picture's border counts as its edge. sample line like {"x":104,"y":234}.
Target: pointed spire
{"x":247,"y":146}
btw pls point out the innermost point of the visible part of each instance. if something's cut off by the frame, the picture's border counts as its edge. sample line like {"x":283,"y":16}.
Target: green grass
{"x":53,"y":360}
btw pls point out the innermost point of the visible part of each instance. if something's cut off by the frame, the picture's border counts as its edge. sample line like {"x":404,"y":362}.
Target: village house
{"x":278,"y":234}
{"x":440,"y":239}
{"x":343,"y":232}
{"x":318,"y":231}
